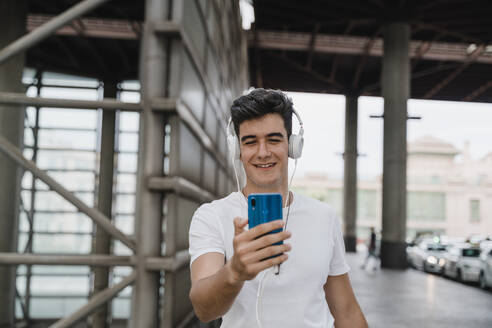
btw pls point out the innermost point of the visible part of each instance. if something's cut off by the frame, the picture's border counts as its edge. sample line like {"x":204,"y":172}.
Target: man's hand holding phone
{"x":254,"y":248}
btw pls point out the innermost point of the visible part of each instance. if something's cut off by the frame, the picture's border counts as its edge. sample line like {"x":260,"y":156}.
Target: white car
{"x":427,"y":256}
{"x":486,"y":268}
{"x":463,"y":263}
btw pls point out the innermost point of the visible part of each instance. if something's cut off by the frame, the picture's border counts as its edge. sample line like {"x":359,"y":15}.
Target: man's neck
{"x":248,"y":189}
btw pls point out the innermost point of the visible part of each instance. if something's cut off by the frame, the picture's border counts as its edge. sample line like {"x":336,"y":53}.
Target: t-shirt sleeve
{"x":338,"y":263}
{"x":204,"y":234}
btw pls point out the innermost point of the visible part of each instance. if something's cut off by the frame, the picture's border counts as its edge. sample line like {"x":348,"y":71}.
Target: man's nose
{"x":263,"y":149}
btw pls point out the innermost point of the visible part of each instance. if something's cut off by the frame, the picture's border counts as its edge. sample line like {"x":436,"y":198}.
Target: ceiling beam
{"x":336,"y":59}
{"x":309,"y":61}
{"x":93,"y":27}
{"x":478,"y":92}
{"x":355,"y":45}
{"x":302,"y":68}
{"x":363,"y":60}
{"x":470,"y":59}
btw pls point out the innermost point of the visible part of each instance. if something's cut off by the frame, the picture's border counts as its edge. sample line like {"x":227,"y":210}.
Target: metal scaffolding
{"x":190,"y":70}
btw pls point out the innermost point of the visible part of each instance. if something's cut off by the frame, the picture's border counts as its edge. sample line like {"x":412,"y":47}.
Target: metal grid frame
{"x":168,"y":38}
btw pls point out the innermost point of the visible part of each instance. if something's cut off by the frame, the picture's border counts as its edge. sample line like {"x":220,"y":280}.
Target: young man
{"x":227,"y":260}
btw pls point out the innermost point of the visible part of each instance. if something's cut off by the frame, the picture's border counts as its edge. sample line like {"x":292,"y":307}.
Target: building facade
{"x":448,"y":192}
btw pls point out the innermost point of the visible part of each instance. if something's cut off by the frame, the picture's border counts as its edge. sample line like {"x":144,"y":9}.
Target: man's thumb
{"x":239,"y":224}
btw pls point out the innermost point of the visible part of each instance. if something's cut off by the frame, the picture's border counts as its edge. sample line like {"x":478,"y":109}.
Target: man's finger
{"x":269,"y":239}
{"x":264,"y":228}
{"x":260,"y":266}
{"x":239,"y":224}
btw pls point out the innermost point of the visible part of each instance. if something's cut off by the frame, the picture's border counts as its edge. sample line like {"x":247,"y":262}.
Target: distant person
{"x":371,"y":251}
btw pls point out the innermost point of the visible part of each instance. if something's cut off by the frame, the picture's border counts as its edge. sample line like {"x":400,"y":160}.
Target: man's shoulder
{"x":218,"y":205}
{"x":314,"y":204}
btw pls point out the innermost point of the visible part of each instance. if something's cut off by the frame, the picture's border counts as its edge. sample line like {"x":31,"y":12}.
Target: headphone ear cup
{"x":233,"y":146}
{"x":296,"y":143}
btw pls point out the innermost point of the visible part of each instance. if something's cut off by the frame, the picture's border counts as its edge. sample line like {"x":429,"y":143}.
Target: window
{"x":366,"y":204}
{"x":426,"y":206}
{"x":474,"y":210}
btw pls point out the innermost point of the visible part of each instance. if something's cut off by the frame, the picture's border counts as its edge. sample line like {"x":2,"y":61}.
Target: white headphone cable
{"x":261,"y":286}
{"x":276,"y":269}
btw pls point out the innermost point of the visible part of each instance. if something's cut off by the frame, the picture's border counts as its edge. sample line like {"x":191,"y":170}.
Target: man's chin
{"x":265,"y":184}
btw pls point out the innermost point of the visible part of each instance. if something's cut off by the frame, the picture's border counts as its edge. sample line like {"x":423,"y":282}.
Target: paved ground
{"x":410,"y":298}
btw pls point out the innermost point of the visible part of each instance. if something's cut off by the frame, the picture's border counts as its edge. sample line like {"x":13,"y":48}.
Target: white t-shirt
{"x":295,"y":297}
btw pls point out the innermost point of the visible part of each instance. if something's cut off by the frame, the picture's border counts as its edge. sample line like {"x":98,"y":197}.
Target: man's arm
{"x":213,"y":290}
{"x":342,"y":303}
{"x":214,"y":286}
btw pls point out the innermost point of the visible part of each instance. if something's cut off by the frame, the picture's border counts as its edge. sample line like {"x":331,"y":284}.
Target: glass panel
{"x":127,"y":162}
{"x":129,"y":121}
{"x":126,"y":183}
{"x":188,"y":165}
{"x":209,"y":168}
{"x":62,"y":243}
{"x":80,"y":181}
{"x":26,"y":180}
{"x":471,"y":252}
{"x":62,"y":222}
{"x":68,"y":118}
{"x":474,"y":210}
{"x":55,"y":307}
{"x":68,"y":270}
{"x":69,"y":93}
{"x":21,"y":242}
{"x":194,"y":27}
{"x":428,"y":206}
{"x":366,"y":204}
{"x":69,"y":160}
{"x":129,"y":96}
{"x":121,"y":249}
{"x":211,"y":122}
{"x":52,"y":201}
{"x":125,"y":223}
{"x":192,"y":90}
{"x":67,"y":139}
{"x":121,"y":308}
{"x":59,"y":285}
{"x":20,"y":283}
{"x":128,"y":142}
{"x":130,"y":85}
{"x":125,"y":204}
{"x":65,"y":79}
{"x":28,"y":75}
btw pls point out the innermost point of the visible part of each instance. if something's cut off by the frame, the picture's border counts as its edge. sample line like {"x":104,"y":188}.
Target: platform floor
{"x":411,"y":298}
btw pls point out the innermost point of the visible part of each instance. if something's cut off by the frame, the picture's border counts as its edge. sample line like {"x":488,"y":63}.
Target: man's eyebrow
{"x":275,"y":134}
{"x":270,"y":135}
{"x":248,"y":137}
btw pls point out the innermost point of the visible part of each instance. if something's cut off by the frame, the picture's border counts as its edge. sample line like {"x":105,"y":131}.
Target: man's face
{"x":264,"y":151}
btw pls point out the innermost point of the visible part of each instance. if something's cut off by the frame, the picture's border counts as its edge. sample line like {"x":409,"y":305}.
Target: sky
{"x":323,"y":116}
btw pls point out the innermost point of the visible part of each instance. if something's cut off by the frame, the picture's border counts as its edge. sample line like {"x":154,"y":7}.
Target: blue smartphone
{"x":263,"y":208}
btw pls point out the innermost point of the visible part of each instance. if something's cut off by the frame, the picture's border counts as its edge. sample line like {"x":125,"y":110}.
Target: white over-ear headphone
{"x":296,"y":141}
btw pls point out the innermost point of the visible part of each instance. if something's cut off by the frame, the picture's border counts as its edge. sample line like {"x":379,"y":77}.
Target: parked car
{"x":462,"y":262}
{"x":485,"y":278}
{"x":427,"y":255}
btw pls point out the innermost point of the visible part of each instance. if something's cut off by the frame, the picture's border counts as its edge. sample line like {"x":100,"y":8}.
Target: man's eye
{"x":275,"y":140}
{"x":249,"y":143}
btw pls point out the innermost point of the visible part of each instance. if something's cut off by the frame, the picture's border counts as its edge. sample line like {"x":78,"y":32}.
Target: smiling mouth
{"x":265,"y":166}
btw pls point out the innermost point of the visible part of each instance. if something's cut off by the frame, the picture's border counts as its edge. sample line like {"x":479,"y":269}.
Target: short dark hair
{"x":260,"y":102}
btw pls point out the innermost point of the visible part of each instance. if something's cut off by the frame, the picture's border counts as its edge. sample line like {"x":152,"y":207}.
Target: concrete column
{"x":350,"y":173}
{"x":12,"y":26}
{"x":396,"y":90}
{"x":148,"y":211}
{"x":105,"y":201}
